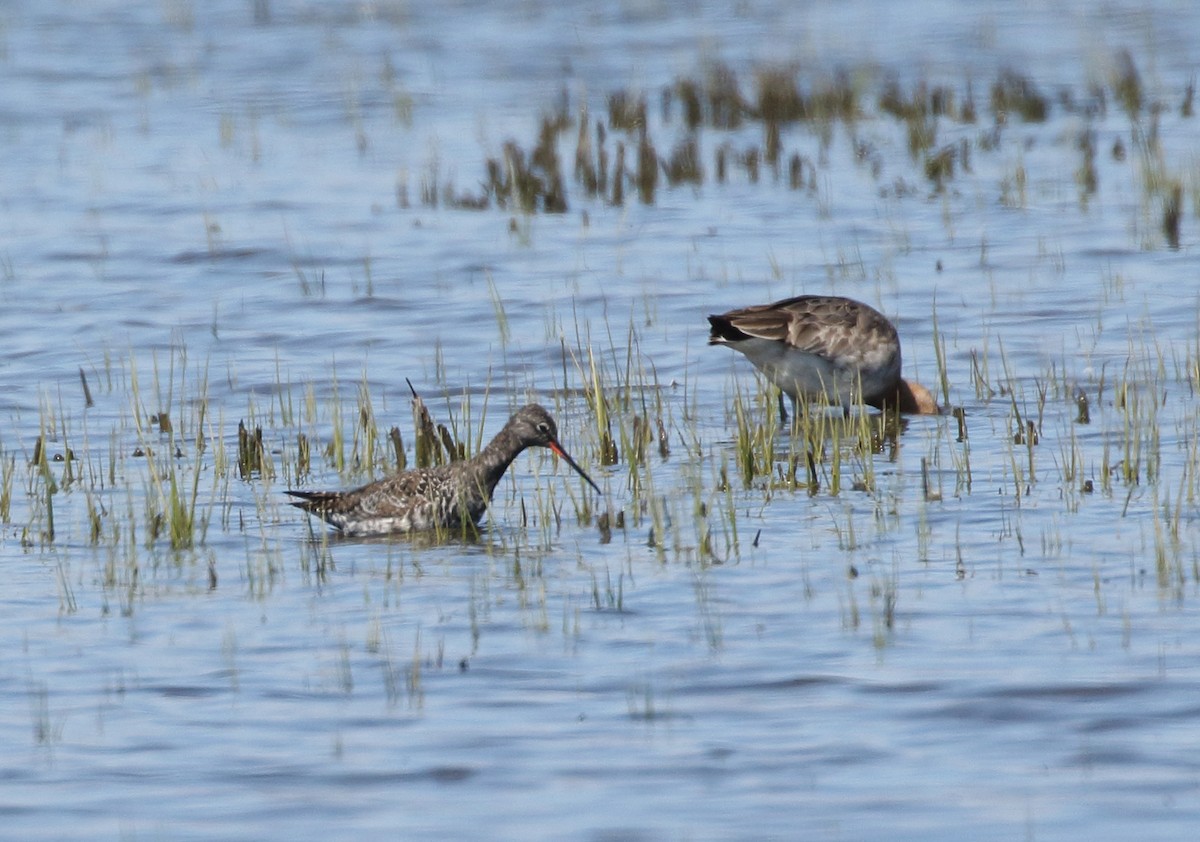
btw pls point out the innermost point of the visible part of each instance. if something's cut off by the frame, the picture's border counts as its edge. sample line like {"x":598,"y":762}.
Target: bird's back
{"x":816,"y":344}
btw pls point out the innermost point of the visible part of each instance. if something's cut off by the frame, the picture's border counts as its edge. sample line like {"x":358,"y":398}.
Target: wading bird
{"x":823,"y":347}
{"x":447,"y":496}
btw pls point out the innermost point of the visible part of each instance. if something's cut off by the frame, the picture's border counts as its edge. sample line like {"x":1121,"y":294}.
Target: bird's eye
{"x":543,"y":428}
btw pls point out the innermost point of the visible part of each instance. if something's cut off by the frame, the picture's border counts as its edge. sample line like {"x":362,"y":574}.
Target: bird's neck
{"x":493,"y":461}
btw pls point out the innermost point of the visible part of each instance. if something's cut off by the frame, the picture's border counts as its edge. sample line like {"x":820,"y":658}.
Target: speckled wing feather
{"x":840,"y":329}
{"x":409,"y":501}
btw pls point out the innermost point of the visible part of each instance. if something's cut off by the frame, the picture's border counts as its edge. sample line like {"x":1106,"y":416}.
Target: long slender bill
{"x":563,"y":455}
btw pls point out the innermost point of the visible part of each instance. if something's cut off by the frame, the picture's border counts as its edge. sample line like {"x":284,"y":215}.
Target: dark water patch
{"x":1107,"y":252}
{"x":1185,"y":713}
{"x":1033,"y":704}
{"x":1113,"y":724}
{"x":985,"y":711}
{"x":1079,"y":692}
{"x":433,"y":774}
{"x":281,"y":695}
{"x":277,"y":205}
{"x":621,"y":834}
{"x":270,"y":774}
{"x":613,"y":611}
{"x":220,"y":254}
{"x":796,"y":683}
{"x":909,"y":688}
{"x":184,"y":691}
{"x":76,"y":256}
{"x":848,"y":756}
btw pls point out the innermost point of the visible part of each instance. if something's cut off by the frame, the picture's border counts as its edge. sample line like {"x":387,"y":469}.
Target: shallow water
{"x":202,"y":209}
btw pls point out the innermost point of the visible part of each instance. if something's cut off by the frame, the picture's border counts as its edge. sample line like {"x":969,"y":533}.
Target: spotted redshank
{"x":824,"y":347}
{"x":447,"y":496}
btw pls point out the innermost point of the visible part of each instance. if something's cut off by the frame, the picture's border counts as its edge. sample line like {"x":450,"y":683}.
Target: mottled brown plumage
{"x":824,"y":347}
{"x":443,"y":497}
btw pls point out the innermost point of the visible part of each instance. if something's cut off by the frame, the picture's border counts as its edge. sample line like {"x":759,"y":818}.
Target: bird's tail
{"x":316,"y":502}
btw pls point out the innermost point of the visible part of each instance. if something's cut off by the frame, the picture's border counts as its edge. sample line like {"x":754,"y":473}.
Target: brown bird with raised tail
{"x":824,"y":347}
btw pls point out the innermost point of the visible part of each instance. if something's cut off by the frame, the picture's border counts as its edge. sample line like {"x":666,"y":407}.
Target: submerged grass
{"x":794,"y":109}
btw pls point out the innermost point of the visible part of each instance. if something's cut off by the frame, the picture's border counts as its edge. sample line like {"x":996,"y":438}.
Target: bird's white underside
{"x":801,"y":374}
